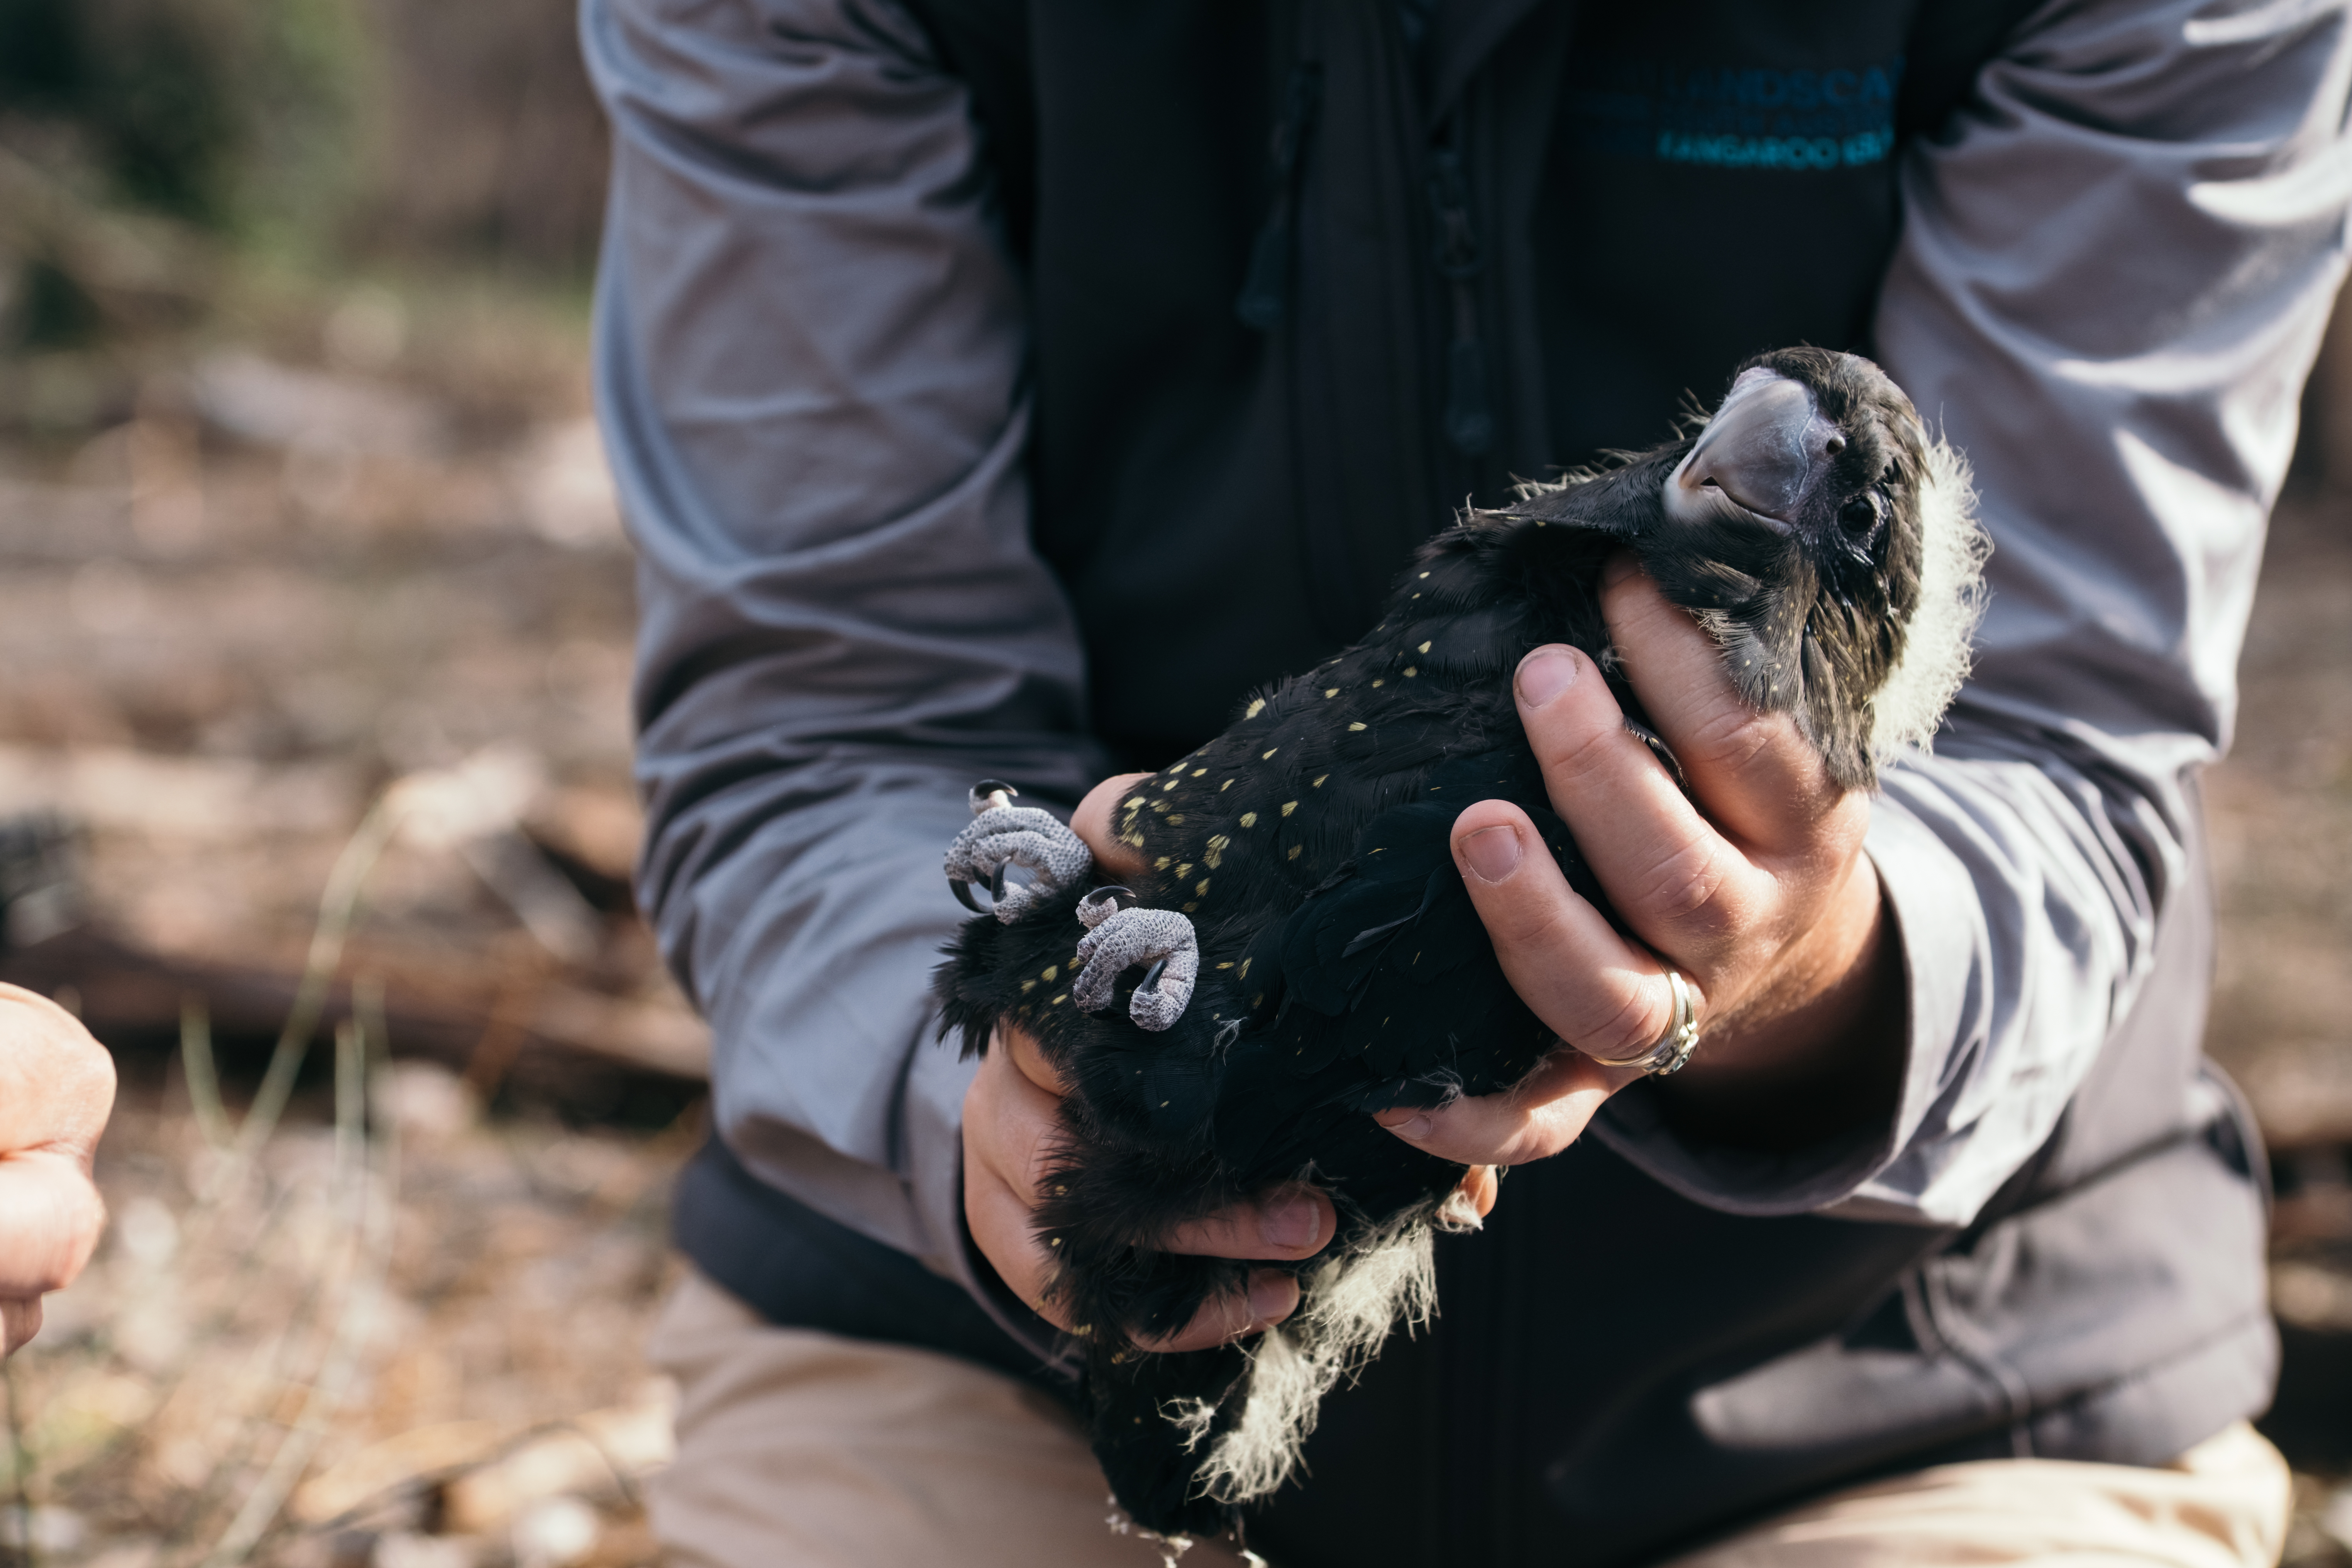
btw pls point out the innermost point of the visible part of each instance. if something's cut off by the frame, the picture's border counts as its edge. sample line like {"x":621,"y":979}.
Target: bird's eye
{"x":1860,"y":514}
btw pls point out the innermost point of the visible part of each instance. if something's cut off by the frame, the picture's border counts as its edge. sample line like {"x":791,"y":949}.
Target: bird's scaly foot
{"x":1001,"y":834}
{"x":1118,"y":937}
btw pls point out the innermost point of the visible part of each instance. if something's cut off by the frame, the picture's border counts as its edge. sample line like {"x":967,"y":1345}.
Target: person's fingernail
{"x":1492,"y":852}
{"x":1545,"y":674}
{"x":1412,"y":1127}
{"x":1271,"y":1295}
{"x":1290,"y":1222}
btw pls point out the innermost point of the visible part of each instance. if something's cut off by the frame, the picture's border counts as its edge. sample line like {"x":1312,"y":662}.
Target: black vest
{"x":1299,"y":286}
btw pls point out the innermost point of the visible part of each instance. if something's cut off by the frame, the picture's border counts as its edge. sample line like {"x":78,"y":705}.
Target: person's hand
{"x":1010,"y":1128}
{"x":57,"y":1086}
{"x":1765,"y":903}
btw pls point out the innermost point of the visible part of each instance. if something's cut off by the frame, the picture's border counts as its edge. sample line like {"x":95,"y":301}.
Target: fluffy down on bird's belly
{"x":1300,"y":949}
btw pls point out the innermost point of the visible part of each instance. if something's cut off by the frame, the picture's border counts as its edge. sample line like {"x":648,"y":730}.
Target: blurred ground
{"x":304,"y":534}
{"x":367,"y":557}
{"x":310,"y":579}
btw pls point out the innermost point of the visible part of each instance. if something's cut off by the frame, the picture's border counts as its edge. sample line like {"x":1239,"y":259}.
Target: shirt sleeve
{"x":810,"y":346}
{"x":2113,"y":273}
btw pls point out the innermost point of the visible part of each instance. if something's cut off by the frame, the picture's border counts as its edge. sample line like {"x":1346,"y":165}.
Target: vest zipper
{"x":1469,"y":421}
{"x":1265,"y":298}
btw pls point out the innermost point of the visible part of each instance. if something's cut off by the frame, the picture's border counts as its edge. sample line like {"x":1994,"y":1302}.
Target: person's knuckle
{"x":1570,"y":751}
{"x":1682,"y":880}
{"x":1526,"y":919}
{"x":1629,"y":1026}
{"x":1526,"y":1145}
{"x":1731,"y":735}
{"x":1483,"y":1131}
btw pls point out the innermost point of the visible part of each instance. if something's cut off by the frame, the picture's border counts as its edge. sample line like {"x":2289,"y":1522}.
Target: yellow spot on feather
{"x":1249,"y":819}
{"x":1288,"y":806}
{"x":1358,"y":725}
{"x":1258,"y":706}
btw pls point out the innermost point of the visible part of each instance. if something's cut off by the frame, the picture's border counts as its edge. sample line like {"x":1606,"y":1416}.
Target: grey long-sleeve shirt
{"x":2111,"y":278}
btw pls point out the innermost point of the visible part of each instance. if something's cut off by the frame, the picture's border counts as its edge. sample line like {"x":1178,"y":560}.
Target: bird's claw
{"x":1119,"y":937}
{"x":1660,"y":750}
{"x":1000,"y":835}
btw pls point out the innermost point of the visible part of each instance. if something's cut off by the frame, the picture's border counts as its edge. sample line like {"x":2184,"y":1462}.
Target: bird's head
{"x":1824,"y":538}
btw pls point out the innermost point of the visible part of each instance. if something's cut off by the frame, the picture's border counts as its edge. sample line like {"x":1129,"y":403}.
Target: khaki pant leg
{"x":2223,"y":1504}
{"x":802,"y":1449}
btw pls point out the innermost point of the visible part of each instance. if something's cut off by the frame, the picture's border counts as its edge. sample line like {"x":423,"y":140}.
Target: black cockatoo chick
{"x":1302,"y":951}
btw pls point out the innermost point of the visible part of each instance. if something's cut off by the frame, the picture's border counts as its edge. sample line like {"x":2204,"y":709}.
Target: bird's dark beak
{"x":1765,"y":449}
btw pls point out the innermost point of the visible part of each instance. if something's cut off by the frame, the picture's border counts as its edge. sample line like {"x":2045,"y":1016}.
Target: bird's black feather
{"x":1344,"y":969}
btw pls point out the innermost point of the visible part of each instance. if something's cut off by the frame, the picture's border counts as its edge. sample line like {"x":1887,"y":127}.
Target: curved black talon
{"x":990,"y":794}
{"x":1104,"y":902}
{"x":963,"y":891}
{"x":1151,"y":976}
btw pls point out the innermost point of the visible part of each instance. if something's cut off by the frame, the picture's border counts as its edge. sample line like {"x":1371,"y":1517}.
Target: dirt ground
{"x":362,"y":557}
{"x":365,"y":557}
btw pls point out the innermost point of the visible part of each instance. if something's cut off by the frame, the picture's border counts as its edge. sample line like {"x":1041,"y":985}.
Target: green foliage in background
{"x":158,"y":156}
{"x":220,"y":114}
{"x":140,"y":138}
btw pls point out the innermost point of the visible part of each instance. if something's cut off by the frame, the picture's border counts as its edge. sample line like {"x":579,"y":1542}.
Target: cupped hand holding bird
{"x":1009,"y":1131}
{"x":1010,"y":1128}
{"x":1756,"y":889}
{"x":1757,"y":892}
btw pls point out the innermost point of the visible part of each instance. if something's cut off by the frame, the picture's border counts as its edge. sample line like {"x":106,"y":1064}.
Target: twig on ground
{"x":338,"y":1375}
{"x":203,"y":1074}
{"x":338,"y":906}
